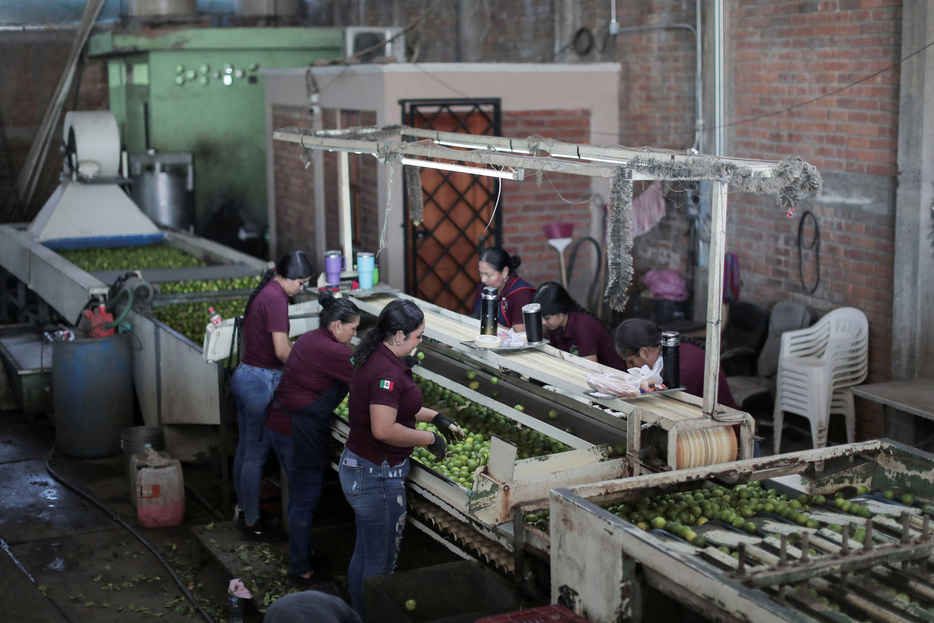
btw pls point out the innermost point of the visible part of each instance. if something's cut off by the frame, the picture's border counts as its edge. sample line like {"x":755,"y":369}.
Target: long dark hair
{"x":499,"y":259}
{"x":554,"y":299}
{"x":634,"y":334}
{"x":399,"y":315}
{"x":294,"y":265}
{"x":335,"y":309}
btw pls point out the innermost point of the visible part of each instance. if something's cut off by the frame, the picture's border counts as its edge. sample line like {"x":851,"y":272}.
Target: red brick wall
{"x":788,"y":53}
{"x":529,"y":205}
{"x":30,"y":72}
{"x":294,"y":188}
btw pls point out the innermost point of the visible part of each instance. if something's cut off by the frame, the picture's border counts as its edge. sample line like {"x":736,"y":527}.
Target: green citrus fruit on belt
{"x":410,"y":605}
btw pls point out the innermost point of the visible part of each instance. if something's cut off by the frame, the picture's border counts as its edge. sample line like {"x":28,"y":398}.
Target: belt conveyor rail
{"x":839,"y":563}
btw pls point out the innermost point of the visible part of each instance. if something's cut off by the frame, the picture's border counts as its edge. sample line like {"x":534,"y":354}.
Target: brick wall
{"x":787,"y":53}
{"x":30,"y":72}
{"x":294,"y":188}
{"x":528,"y":205}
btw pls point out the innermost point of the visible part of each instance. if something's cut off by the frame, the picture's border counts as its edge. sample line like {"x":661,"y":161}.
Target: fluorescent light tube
{"x":459,"y":168}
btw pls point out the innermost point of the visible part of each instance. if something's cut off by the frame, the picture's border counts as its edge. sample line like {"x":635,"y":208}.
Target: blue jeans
{"x":253,"y":389}
{"x":305,"y":485}
{"x":377,"y":495}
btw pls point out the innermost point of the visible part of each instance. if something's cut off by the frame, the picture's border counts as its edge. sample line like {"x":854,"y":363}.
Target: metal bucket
{"x":92,"y":393}
{"x":136,"y":438}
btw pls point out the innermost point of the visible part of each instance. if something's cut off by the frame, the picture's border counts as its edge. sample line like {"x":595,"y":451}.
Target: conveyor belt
{"x":547,"y":366}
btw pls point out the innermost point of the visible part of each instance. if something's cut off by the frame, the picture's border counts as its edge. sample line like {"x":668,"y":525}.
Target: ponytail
{"x":399,"y":315}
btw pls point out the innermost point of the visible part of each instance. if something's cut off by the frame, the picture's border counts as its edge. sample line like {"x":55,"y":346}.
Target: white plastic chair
{"x":816,"y":368}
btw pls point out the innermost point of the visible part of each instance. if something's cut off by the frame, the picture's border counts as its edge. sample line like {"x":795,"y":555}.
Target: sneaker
{"x":262,"y":532}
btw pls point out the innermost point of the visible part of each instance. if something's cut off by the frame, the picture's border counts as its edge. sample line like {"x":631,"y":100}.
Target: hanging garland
{"x":619,"y":241}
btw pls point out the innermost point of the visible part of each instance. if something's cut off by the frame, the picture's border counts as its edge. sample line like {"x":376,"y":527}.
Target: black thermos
{"x":489,"y":311}
{"x":671,"y":359}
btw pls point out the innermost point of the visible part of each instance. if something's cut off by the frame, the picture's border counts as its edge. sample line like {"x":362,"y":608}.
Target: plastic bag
{"x":629,"y":384}
{"x":666,"y":284}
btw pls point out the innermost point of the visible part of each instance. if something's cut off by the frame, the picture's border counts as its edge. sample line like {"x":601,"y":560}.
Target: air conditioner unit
{"x":391,"y":42}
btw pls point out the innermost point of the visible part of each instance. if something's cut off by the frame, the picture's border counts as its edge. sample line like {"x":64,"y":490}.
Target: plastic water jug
{"x":159,"y":490}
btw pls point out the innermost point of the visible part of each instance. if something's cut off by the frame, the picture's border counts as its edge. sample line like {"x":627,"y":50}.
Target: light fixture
{"x":484,"y":146}
{"x":459,"y":168}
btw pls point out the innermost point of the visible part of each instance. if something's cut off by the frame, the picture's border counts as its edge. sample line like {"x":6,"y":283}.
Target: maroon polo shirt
{"x":268,"y":314}
{"x":585,"y":336}
{"x":383,"y":380}
{"x":692,"y":375}
{"x":316,"y":362}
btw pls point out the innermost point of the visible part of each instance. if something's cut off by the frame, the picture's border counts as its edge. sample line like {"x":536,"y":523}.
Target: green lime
{"x":659,"y":523}
{"x":889,"y":494}
{"x":410,"y":605}
{"x":864,"y":490}
{"x":552,"y":415}
{"x":700,"y":541}
{"x":908,"y":499}
{"x":494,"y":380}
{"x":474,"y":385}
{"x":520,"y":408}
{"x":420,"y":355}
{"x":471,"y":374}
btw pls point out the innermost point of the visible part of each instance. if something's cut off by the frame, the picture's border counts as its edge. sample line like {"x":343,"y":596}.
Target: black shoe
{"x":262,"y":532}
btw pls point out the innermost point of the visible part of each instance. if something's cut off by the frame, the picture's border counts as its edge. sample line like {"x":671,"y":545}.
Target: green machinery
{"x":200,"y":91}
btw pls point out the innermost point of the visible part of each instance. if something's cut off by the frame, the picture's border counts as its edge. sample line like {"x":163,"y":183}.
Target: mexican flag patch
{"x":386,"y":385}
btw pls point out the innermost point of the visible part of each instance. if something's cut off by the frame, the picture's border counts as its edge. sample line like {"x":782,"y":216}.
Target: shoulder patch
{"x":384,"y":384}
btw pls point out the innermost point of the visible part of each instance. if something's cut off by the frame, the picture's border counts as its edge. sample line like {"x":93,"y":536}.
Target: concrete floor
{"x":67,"y":560}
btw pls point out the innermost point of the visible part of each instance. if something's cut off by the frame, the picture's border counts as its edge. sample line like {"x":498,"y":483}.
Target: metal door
{"x":443,"y":250}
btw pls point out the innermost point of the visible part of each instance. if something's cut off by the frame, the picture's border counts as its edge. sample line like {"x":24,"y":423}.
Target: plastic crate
{"x":545,"y":614}
{"x":456,"y":592}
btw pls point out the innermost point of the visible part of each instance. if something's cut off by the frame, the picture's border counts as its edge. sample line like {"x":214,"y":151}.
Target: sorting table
{"x":915,"y":397}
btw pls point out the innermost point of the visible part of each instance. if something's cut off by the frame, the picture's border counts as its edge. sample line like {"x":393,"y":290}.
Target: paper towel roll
{"x":96,"y":139}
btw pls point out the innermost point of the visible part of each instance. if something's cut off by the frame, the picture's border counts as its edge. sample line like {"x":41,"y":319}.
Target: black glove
{"x":437,"y":447}
{"x":449,"y":428}
{"x":410,"y":361}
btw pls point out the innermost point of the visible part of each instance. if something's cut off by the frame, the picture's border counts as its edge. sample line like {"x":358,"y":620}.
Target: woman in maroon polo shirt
{"x":265,"y":347}
{"x":572,"y":329}
{"x":298,"y":424}
{"x":498,"y":270}
{"x":385,"y":404}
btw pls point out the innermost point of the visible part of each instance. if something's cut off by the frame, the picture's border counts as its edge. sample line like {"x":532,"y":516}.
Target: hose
{"x":116,"y":322}
{"x":591,"y":295}
{"x":814,"y":246}
{"x":90,"y":498}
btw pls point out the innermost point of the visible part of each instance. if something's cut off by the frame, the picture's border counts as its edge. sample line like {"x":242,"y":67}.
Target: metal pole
{"x":715,"y":294}
{"x":346,"y":229}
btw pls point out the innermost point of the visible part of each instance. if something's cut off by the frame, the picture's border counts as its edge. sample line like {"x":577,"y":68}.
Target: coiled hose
{"x":90,"y":498}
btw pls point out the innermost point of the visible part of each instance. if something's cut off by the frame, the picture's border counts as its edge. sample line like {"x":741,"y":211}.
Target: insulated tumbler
{"x":365,"y":264}
{"x":671,"y":359}
{"x":532,"y":314}
{"x":333,"y":265}
{"x":489,"y":311}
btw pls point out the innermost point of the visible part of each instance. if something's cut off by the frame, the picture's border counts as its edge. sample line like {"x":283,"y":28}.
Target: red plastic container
{"x":160,"y":491}
{"x":554,"y":613}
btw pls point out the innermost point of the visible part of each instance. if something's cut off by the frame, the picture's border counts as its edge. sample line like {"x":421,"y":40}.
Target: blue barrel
{"x":92,"y":393}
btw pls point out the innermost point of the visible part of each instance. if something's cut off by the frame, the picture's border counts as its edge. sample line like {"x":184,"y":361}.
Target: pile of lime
{"x":130,"y":258}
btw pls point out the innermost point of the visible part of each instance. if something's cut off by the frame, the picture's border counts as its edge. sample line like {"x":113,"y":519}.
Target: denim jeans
{"x":253,"y":389}
{"x":377,"y":495}
{"x":306,"y":479}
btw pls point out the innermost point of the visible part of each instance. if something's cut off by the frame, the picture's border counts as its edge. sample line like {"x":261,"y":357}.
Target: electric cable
{"x":90,"y":498}
{"x":592,"y":293}
{"x":814,"y":246}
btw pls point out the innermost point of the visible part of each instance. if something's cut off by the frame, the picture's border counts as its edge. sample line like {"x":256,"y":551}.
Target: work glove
{"x":437,"y":447}
{"x":449,"y":428}
{"x":410,"y":361}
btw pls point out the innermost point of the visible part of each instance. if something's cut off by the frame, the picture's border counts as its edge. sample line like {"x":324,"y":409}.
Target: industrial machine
{"x":199,"y":91}
{"x":839,"y":566}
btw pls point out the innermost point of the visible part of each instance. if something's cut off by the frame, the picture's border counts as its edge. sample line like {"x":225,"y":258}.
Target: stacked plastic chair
{"x":816,"y":368}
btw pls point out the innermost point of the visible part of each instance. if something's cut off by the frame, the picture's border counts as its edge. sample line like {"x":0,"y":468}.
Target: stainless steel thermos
{"x":489,"y":311}
{"x":671,"y":359}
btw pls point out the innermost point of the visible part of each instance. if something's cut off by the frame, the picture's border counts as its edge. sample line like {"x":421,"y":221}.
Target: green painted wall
{"x":201,"y":91}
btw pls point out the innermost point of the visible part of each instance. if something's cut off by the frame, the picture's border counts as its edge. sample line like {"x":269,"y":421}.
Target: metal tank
{"x":163,"y":186}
